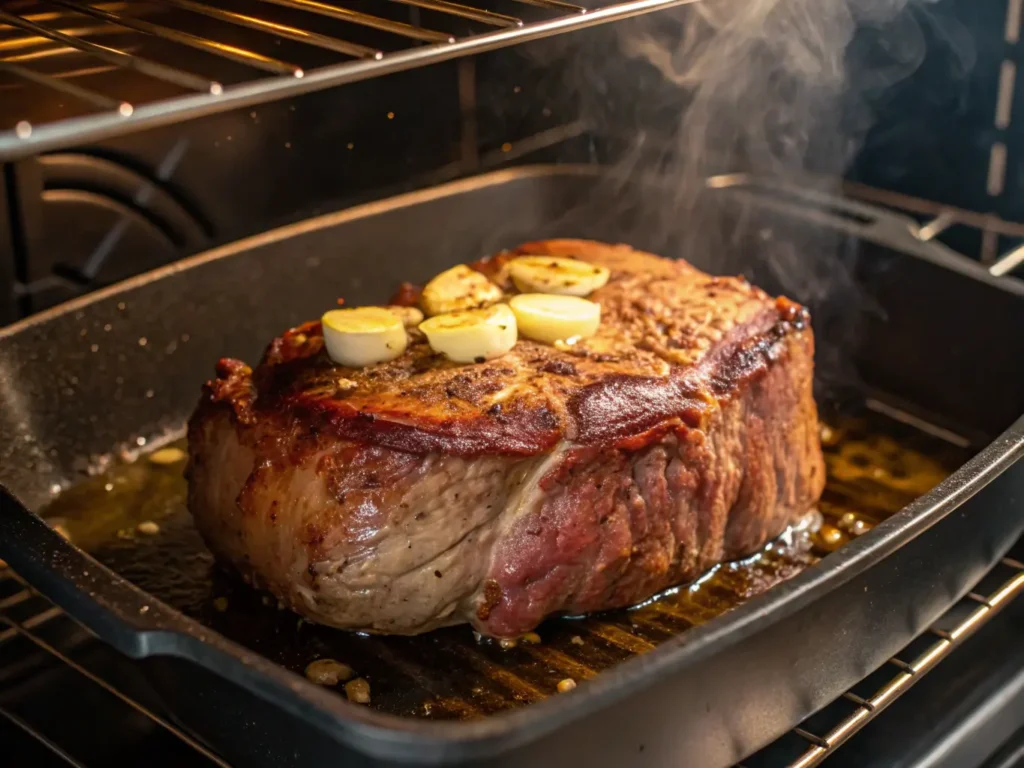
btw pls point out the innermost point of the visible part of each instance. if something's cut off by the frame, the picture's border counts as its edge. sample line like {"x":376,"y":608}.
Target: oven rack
{"x":898,"y":219}
{"x":25,"y":616}
{"x":951,"y":630}
{"x":57,"y":48}
{"x":937,"y":219}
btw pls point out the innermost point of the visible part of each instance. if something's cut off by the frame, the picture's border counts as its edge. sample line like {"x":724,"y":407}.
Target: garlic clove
{"x":551,"y":274}
{"x":457,"y":289}
{"x":549,"y":318}
{"x":474,"y":335}
{"x":363,"y":336}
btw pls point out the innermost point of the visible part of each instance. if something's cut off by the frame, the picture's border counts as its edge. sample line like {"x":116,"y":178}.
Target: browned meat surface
{"x":418,"y":493}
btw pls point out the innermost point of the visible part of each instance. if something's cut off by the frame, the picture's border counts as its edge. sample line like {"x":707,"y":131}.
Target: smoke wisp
{"x":778,"y":89}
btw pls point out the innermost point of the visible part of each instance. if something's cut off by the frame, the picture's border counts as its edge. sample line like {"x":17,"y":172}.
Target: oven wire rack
{"x":949,"y":633}
{"x":54,"y":29}
{"x":984,"y":608}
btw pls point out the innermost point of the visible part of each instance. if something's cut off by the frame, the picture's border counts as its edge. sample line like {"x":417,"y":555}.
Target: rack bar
{"x":31,"y":623}
{"x":817,"y":741}
{"x":69,"y":74}
{"x":232,"y":52}
{"x":19,"y":43}
{"x":49,"y":53}
{"x":21,"y":629}
{"x":39,"y":737}
{"x":465,"y":12}
{"x":559,"y":4}
{"x":23,"y":142}
{"x":936,"y":226}
{"x":366,"y":20}
{"x":16,"y":599}
{"x":858,"y":700}
{"x":978,"y":598}
{"x":886,"y":197}
{"x":1005,"y":264}
{"x":57,"y":15}
{"x":114,"y":56}
{"x":900,"y":664}
{"x":868,"y":709}
{"x":84,"y":94}
{"x":281,"y":30}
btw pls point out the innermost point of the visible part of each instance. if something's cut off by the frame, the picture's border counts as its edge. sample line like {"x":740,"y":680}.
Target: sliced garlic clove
{"x":473,"y":335}
{"x":410,"y":316}
{"x":363,"y":336}
{"x":457,"y":289}
{"x":549,"y":318}
{"x":550,"y":274}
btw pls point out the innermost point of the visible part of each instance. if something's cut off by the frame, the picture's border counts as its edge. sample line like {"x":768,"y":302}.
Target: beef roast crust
{"x":419,"y":493}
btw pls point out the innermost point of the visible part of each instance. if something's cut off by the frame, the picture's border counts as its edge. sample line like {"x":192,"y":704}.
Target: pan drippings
{"x":133,"y":519}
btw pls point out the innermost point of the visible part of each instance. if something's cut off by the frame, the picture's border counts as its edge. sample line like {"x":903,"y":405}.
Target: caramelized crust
{"x":673,"y":343}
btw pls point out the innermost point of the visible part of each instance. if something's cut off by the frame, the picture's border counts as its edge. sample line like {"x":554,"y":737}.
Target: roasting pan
{"x":900,"y":322}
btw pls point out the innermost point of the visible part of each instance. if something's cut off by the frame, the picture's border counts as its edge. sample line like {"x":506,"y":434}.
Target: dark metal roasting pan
{"x":902,"y":324}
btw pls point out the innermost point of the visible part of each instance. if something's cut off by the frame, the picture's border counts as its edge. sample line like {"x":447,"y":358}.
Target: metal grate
{"x":29,"y":619}
{"x":124,"y":66}
{"x":38,"y":640}
{"x":951,"y":631}
{"x":937,"y":219}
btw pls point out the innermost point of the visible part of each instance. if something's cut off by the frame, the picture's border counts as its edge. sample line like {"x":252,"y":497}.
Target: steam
{"x":761,"y":76}
{"x":774,"y":88}
{"x":781,"y":89}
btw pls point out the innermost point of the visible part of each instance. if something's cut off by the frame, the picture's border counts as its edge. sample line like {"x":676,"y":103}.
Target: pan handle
{"x":116,"y":611}
{"x":140,"y":626}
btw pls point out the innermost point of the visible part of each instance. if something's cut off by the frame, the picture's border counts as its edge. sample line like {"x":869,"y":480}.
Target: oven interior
{"x":174,"y":189}
{"x":886,"y":446}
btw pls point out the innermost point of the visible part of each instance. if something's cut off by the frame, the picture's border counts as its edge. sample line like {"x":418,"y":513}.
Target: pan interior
{"x":133,"y":518}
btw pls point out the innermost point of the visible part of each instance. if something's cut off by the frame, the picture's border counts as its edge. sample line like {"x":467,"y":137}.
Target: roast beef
{"x":420,"y":493}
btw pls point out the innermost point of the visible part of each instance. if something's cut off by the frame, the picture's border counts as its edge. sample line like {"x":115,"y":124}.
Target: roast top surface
{"x":672,"y":341}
